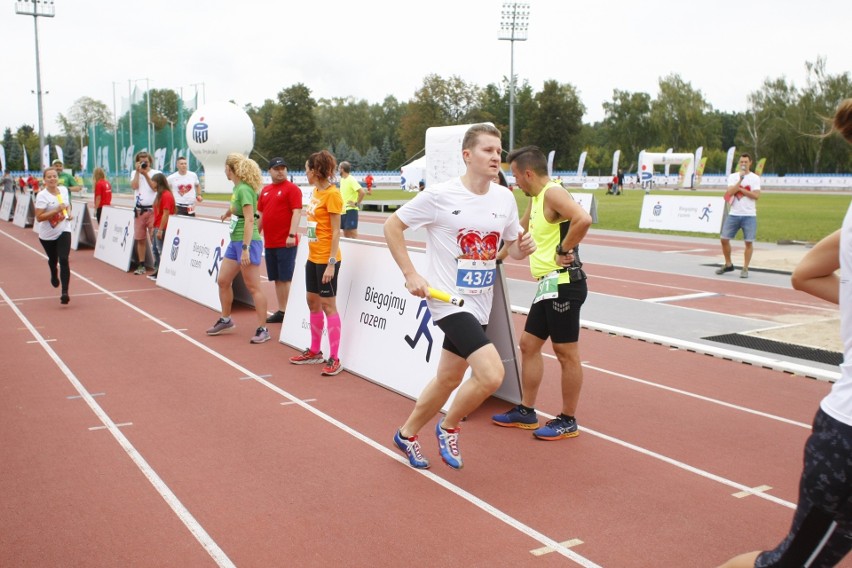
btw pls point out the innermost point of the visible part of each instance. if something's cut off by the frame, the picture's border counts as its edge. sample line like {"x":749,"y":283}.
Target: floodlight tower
{"x":45,"y":9}
{"x":514,"y":25}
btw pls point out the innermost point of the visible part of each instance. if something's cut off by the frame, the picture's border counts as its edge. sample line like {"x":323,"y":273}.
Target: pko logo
{"x":175,"y":246}
{"x":658,"y":209}
{"x":199,"y":132}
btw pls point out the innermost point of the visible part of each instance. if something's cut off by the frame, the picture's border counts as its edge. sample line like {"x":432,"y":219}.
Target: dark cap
{"x":277,"y":162}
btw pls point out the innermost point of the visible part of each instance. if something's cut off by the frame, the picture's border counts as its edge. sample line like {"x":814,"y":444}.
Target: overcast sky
{"x":248,"y":50}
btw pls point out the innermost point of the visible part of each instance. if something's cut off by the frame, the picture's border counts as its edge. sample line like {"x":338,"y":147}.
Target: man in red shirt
{"x":369,"y":181}
{"x":280,"y":207}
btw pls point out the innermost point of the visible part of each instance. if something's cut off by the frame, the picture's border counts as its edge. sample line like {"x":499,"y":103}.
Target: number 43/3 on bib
{"x":475,"y":276}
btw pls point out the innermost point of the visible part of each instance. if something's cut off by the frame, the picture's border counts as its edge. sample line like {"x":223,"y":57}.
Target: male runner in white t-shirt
{"x":185,"y":187}
{"x":464,"y":219}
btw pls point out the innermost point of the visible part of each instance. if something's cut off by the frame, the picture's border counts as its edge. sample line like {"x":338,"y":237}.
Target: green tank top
{"x":546,"y":236}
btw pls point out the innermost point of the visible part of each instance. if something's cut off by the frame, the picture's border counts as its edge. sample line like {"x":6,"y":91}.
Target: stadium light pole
{"x":45,"y":9}
{"x":514,"y":25}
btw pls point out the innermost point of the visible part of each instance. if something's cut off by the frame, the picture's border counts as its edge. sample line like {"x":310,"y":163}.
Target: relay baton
{"x":445,"y":297}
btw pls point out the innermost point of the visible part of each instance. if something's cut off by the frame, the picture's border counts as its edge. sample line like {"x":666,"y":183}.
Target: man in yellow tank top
{"x":557,"y":224}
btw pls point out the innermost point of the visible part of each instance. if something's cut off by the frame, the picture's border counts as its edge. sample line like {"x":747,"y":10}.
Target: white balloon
{"x":213,"y":131}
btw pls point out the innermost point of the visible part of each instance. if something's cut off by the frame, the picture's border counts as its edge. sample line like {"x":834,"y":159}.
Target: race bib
{"x":312,"y":231}
{"x":548,"y":287}
{"x":475,"y":276}
{"x":233,"y":225}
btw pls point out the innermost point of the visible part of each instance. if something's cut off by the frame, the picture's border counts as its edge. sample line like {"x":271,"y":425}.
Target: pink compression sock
{"x":334,"y":334}
{"x":317,"y":323}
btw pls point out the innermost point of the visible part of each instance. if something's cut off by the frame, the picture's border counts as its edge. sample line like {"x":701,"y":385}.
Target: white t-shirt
{"x":145,"y":194}
{"x":463,"y":232}
{"x":838,"y":403}
{"x":183,"y":187}
{"x":49,"y":202}
{"x":742,"y":205}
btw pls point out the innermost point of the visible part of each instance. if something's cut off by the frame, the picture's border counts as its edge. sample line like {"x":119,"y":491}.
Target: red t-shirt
{"x":276,"y":203}
{"x":104,"y":190}
{"x":167,"y":201}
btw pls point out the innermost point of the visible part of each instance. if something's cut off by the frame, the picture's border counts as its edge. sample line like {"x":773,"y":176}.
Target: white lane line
{"x":682,"y":251}
{"x":117,"y":425}
{"x":46,"y":341}
{"x":754,"y":491}
{"x":696,"y":396}
{"x":303,"y":400}
{"x":76,"y":396}
{"x":681,"y":297}
{"x":547,"y":550}
{"x":458,"y":491}
{"x":160,"y":486}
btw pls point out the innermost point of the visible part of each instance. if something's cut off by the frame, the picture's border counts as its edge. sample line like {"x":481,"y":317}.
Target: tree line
{"x":783,"y":122}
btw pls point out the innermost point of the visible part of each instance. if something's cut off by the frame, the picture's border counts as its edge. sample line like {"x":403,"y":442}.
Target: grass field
{"x":781,"y":215}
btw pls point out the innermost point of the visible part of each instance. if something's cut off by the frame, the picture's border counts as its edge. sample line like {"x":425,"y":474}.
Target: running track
{"x":131,"y":438}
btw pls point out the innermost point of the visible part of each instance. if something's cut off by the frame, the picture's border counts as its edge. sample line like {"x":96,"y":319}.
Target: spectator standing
{"x":185,"y":188}
{"x":145,"y":192}
{"x":245,"y":249}
{"x":103,"y":192}
{"x":323,"y":266}
{"x":66,"y":178}
{"x":557,"y":224}
{"x":742,"y":194}
{"x":53,"y":211}
{"x":280,"y":206}
{"x":8,"y":182}
{"x":352,"y":194}
{"x":164,"y":207}
{"x":369,"y":182}
{"x":464,"y":219}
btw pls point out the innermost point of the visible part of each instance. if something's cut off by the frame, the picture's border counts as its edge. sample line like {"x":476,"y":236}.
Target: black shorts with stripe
{"x":821,"y":534}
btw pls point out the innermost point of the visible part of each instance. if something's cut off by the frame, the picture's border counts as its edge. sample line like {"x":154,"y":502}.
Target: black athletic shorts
{"x":559,"y":318}
{"x":313,"y":280}
{"x":821,"y":534}
{"x":463,"y":334}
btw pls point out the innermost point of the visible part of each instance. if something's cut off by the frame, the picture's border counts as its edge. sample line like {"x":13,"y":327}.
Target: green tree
{"x":556,"y":122}
{"x":682,"y":118}
{"x":14,"y":157}
{"x":27,"y":137}
{"x":439,"y":102}
{"x":293,"y":129}
{"x":627,"y":121}
{"x":261,"y":117}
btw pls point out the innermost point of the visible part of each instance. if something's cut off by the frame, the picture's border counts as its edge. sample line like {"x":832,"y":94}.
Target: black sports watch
{"x":292,"y":236}
{"x":561,"y":252}
{"x":245,"y":246}
{"x":332,"y":261}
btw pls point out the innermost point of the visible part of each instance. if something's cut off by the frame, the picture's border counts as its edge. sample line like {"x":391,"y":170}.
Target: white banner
{"x":59,"y":155}
{"x":376,"y":310}
{"x":615,"y":157}
{"x":729,"y":160}
{"x":45,"y":156}
{"x":673,"y":213}
{"x":24,"y":210}
{"x":581,"y":163}
{"x":588,"y":202}
{"x":84,"y":159}
{"x":26,"y":159}
{"x":550,"y":156}
{"x":193,"y":251}
{"x":82,"y":231}
{"x":2,"y":158}
{"x":7,"y":208}
{"x":444,"y":152}
{"x":115,"y":237}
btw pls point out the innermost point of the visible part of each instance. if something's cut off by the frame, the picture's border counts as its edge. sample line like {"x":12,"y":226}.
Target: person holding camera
{"x":557,"y":224}
{"x":145,"y":191}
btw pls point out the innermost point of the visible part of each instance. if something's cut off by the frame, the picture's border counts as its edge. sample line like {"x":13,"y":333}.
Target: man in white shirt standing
{"x":742,"y":194}
{"x":145,"y":191}
{"x":186,"y":188}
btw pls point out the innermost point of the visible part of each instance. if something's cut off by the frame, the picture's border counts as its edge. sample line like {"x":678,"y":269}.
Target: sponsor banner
{"x":388,"y":335}
{"x":24,"y":211}
{"x":192,"y":255}
{"x":674,"y":213}
{"x":115,"y":237}
{"x":588,"y":202}
{"x":7,"y":209}
{"x":82,"y":229}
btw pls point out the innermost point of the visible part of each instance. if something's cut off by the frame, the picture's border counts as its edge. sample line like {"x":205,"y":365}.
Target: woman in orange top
{"x":323,"y":213}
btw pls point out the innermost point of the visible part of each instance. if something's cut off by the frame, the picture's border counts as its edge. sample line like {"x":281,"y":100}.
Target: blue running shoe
{"x":517,"y":417}
{"x":448,"y":445}
{"x":411,"y":448}
{"x":558,"y":428}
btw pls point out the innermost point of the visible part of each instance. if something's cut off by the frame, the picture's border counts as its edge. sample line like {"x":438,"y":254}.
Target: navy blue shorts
{"x":281,"y":263}
{"x":463,"y":334}
{"x":349,"y":220}
{"x":821,"y":534}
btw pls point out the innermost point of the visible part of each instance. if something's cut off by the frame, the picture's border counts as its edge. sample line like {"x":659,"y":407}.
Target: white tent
{"x":412,"y":173}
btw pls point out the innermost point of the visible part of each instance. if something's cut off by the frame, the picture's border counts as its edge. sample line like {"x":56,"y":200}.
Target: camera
{"x":144,"y":165}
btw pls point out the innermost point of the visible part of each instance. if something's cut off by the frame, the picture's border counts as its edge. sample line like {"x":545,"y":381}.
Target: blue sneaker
{"x":448,"y":445}
{"x":411,"y":448}
{"x":558,"y":428}
{"x":517,"y":417}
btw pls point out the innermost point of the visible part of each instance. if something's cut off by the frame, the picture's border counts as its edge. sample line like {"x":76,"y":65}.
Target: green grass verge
{"x":781,"y":215}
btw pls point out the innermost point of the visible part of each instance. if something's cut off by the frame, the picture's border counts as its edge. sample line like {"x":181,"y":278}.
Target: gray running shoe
{"x":220,"y":326}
